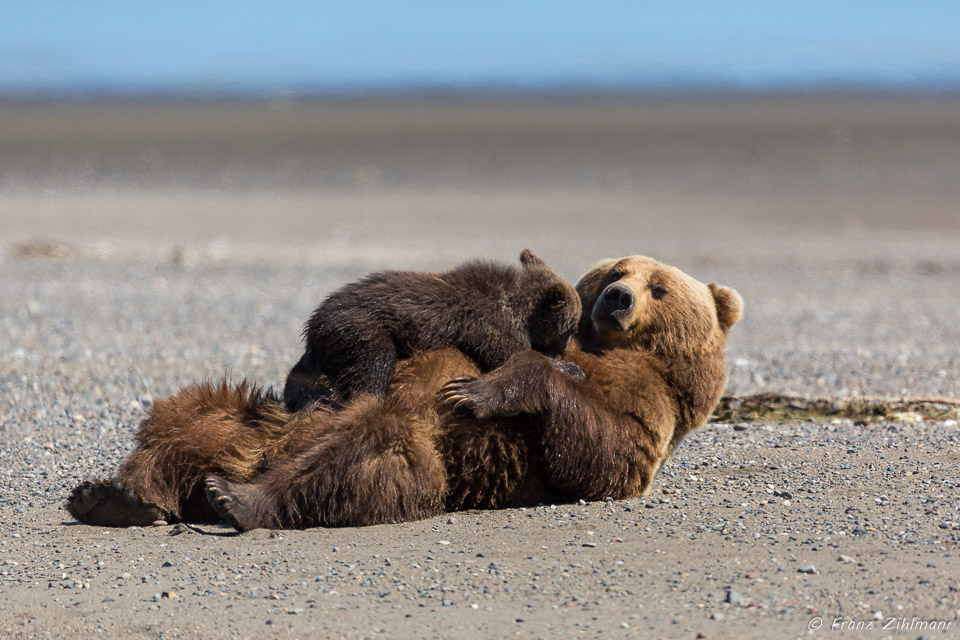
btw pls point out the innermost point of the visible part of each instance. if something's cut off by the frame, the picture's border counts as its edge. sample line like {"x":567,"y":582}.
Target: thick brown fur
{"x":487,"y":310}
{"x":529,"y":431}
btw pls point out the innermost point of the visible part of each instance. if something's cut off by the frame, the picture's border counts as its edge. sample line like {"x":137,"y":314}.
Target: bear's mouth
{"x":609,"y":324}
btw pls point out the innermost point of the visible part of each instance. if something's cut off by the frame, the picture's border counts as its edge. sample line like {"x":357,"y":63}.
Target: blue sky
{"x":295,"y":46}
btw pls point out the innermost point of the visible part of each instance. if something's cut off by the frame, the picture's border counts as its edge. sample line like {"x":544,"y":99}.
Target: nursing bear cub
{"x":446,"y":435}
{"x":487,"y":310}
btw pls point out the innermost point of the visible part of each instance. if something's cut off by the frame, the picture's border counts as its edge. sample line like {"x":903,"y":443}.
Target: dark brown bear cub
{"x":487,"y":310}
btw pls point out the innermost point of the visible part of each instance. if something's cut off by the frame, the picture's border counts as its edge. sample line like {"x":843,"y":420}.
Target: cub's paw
{"x":472,"y":395}
{"x":222,"y":496}
{"x":570,"y":369}
{"x":108,"y":504}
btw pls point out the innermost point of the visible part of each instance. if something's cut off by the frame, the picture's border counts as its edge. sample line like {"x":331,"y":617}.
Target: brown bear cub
{"x":487,"y":310}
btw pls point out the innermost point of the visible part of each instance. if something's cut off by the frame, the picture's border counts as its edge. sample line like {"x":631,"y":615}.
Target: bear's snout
{"x":616,"y":300}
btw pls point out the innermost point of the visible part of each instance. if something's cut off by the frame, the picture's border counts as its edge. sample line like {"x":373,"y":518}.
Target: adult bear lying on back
{"x":487,"y":310}
{"x":653,"y":342}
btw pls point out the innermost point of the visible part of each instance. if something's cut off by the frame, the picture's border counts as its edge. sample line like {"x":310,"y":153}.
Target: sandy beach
{"x":145,"y":245}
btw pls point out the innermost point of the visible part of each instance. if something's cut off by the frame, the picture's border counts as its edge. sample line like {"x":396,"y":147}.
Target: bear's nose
{"x":616,"y":298}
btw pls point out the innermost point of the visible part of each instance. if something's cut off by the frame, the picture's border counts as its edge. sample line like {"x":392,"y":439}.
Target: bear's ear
{"x":729,"y":305}
{"x":530,"y":259}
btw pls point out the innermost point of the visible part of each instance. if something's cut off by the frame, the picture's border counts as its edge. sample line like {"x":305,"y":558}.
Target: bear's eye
{"x":555,"y":299}
{"x":657,"y":291}
{"x":614,"y":276}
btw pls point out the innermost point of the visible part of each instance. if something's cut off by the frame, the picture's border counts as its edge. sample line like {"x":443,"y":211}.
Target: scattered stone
{"x":734,"y":597}
{"x":451,"y":520}
{"x":806,"y":568}
{"x":589,"y":544}
{"x":845,"y":559}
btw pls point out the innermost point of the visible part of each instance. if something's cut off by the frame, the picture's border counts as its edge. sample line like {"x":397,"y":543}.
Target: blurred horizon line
{"x":483,"y":92}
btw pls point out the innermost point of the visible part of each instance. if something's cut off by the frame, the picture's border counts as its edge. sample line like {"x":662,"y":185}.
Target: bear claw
{"x":220,"y":496}
{"x":468,"y":394}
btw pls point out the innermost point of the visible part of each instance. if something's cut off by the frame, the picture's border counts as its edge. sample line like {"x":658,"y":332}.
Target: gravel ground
{"x":111,"y":296}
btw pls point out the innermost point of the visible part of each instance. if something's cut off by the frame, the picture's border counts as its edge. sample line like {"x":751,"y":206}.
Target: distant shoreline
{"x":482,"y":94}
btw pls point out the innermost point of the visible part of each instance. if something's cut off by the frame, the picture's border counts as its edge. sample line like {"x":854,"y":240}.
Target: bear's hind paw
{"x":222,"y":497}
{"x":108,"y":504}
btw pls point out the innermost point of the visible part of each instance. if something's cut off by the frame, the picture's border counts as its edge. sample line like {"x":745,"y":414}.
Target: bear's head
{"x":549,"y":304}
{"x":640,"y":303}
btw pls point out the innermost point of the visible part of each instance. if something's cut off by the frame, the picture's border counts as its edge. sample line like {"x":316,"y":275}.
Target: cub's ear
{"x":530,"y":259}
{"x":729,"y":305}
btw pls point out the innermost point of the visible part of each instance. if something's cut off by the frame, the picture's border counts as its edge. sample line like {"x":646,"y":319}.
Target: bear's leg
{"x":373,"y":462}
{"x":208,"y":428}
{"x":361,"y":360}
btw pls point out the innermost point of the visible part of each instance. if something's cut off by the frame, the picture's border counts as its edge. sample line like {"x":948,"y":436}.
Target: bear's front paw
{"x":471,"y":395}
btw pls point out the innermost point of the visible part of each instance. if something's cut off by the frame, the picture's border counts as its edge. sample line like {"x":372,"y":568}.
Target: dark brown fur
{"x":487,"y":310}
{"x":524,"y":433}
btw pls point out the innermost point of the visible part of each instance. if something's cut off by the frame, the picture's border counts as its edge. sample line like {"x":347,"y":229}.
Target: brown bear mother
{"x":652,"y":350}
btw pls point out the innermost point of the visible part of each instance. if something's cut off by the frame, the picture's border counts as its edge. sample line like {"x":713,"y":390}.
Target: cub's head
{"x":638,"y":302}
{"x":548,"y":304}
